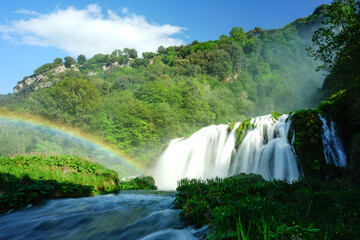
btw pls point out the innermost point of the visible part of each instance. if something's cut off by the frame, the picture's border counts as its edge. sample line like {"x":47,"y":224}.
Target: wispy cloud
{"x":27,"y":12}
{"x":124,"y":10}
{"x":89,"y":32}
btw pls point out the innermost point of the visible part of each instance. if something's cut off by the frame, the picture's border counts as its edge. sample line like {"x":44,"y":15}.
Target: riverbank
{"x":31,"y":179}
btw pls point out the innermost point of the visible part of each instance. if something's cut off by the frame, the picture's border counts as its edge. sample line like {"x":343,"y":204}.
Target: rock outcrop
{"x":41,"y":79}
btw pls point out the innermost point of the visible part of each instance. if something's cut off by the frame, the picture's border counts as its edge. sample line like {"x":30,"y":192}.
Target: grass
{"x":247,"y":207}
{"x":31,"y":179}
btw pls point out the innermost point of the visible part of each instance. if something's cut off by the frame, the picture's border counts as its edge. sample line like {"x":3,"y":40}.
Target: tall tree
{"x":81,"y":59}
{"x":71,"y":100}
{"x":130,"y":53}
{"x":337,"y":43}
{"x":238,"y":34}
{"x":69,"y":61}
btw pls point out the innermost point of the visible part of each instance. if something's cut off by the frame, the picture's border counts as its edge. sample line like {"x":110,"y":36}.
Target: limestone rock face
{"x":40,"y":79}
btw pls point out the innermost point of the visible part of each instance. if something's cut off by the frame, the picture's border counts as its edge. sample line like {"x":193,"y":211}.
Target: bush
{"x":139,"y":183}
{"x":30,"y":179}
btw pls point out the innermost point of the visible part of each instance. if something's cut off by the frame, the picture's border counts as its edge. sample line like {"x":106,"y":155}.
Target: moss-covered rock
{"x":231,"y":127}
{"x":275,"y":115}
{"x":241,"y":131}
{"x":308,"y":143}
{"x":248,"y":178}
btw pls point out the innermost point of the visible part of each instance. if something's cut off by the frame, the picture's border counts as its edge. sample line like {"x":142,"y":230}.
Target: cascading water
{"x":333,"y":148}
{"x":205,"y":154}
{"x":211,"y":152}
{"x":266,"y":150}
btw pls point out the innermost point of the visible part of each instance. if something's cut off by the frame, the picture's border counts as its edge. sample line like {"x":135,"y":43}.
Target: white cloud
{"x":88,"y":32}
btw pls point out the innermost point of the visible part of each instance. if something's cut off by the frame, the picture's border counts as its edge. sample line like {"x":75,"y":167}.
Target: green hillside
{"x":139,"y":104}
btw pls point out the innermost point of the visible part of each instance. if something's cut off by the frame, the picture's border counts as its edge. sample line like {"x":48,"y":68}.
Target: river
{"x":127,"y":215}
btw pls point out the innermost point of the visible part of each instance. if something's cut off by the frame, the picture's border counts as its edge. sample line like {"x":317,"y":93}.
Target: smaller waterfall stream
{"x":333,"y":148}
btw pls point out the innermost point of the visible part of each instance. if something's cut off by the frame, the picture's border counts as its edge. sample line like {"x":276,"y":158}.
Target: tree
{"x":148,"y":55}
{"x":337,"y":43}
{"x":238,"y":34}
{"x":257,"y":32}
{"x":98,"y":59}
{"x":153,"y":92}
{"x":161,"y":50}
{"x":130,"y":53}
{"x":117,"y":56}
{"x":140,"y":62}
{"x":81,"y":59}
{"x":72,"y":100}
{"x":58,"y":61}
{"x":171,"y":56}
{"x":128,"y":120}
{"x":69,"y":61}
{"x":223,"y":36}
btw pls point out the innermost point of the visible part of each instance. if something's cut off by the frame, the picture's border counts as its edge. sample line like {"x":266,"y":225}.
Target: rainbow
{"x":77,"y":136}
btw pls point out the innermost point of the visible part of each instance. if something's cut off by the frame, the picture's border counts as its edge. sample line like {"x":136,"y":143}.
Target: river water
{"x":128,"y":215}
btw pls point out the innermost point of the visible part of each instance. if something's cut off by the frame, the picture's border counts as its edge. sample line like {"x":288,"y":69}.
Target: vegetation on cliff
{"x":308,"y":143}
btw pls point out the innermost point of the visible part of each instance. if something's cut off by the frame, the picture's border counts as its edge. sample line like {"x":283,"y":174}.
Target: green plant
{"x":247,"y":207}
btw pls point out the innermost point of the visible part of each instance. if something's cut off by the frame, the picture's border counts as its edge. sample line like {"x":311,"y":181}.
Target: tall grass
{"x":247,"y":207}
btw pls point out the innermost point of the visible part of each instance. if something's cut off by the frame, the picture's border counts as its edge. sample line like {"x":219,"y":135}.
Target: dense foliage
{"x":139,"y":183}
{"x":138,"y":104}
{"x":247,"y":207}
{"x":337,"y":45}
{"x":31,"y":179}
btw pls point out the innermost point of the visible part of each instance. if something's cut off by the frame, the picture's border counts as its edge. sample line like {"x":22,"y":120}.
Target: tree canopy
{"x":337,"y":43}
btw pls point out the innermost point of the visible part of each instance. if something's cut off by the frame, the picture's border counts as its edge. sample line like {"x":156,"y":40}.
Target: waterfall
{"x":205,"y":154}
{"x":333,"y":148}
{"x":264,"y":150}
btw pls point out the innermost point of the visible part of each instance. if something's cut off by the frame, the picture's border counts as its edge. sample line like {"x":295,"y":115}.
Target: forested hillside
{"x":139,"y":103}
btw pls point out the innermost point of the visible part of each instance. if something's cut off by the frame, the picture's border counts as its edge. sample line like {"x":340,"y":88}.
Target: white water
{"x":205,"y":154}
{"x":211,"y":152}
{"x":128,"y":215}
{"x":265,"y":150}
{"x":333,"y":148}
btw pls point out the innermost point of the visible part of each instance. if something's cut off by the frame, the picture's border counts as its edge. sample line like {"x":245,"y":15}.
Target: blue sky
{"x":35,"y":32}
